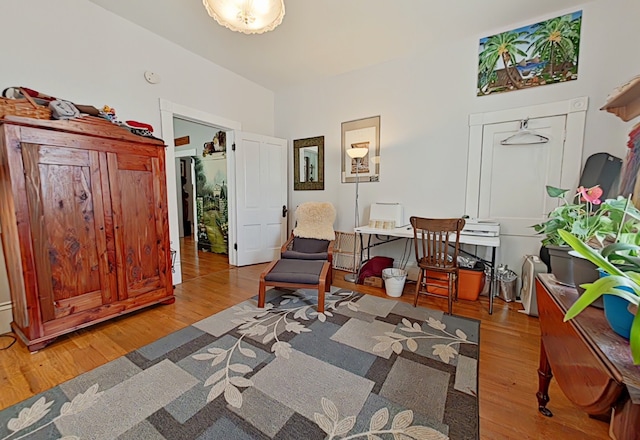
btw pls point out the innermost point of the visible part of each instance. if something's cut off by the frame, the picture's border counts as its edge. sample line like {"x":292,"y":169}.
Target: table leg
{"x":492,"y":281}
{"x":544,"y":379}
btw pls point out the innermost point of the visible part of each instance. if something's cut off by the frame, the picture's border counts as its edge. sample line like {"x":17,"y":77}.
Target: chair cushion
{"x":310,"y":245}
{"x":304,"y":256}
{"x":296,"y":271}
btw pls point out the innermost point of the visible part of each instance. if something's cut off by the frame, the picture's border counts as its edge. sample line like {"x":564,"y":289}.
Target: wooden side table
{"x":590,"y":362}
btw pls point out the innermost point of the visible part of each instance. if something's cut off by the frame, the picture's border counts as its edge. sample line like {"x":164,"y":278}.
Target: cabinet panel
{"x":139,"y":212}
{"x":67,"y":223}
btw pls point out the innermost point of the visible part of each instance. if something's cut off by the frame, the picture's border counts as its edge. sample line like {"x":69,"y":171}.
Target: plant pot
{"x":544,"y":256}
{"x":584,"y":271}
{"x":616,"y":311}
{"x":561,"y":264}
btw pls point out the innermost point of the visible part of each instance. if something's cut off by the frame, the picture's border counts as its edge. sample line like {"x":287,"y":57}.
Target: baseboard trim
{"x":5,"y":317}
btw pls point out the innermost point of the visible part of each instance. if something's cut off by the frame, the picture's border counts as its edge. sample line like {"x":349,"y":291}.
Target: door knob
{"x":284,"y":211}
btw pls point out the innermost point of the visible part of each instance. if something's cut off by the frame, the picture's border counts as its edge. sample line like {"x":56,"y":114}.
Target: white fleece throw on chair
{"x":315,"y":220}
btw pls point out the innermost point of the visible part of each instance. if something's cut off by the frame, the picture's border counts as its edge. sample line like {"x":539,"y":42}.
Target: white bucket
{"x":394,"y":281}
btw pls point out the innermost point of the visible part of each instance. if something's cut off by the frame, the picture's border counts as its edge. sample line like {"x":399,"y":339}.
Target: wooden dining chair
{"x":437,"y":242}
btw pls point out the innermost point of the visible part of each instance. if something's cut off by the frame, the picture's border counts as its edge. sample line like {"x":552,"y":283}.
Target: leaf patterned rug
{"x":368,"y":368}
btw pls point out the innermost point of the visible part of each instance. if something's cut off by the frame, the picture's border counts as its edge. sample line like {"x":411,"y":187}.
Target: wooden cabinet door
{"x":141,"y":227}
{"x":66,"y":210}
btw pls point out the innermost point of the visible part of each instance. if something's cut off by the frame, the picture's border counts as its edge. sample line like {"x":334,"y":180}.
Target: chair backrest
{"x":433,"y":237}
{"x":315,"y":220}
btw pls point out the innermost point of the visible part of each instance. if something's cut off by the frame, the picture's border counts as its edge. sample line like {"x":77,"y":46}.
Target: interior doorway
{"x":170,"y":113}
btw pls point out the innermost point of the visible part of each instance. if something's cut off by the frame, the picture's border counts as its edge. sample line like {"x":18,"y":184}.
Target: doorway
{"x":170,"y":112}
{"x":256,"y":190}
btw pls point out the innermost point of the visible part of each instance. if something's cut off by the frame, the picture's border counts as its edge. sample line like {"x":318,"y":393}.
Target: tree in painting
{"x":542,"y":53}
{"x":553,"y":41}
{"x":503,"y":46}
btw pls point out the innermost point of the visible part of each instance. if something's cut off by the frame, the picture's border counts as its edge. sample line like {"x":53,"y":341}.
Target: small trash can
{"x":394,"y":280}
{"x":507,"y":284}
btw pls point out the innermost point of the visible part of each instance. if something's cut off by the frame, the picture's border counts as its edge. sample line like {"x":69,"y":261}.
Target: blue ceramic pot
{"x":616,"y":312}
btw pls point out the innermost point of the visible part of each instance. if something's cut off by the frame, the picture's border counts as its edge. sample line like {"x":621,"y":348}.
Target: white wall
{"x":75,"y":50}
{"x":424,"y":102}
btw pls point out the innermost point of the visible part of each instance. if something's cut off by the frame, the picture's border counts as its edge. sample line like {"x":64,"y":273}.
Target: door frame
{"x":190,"y":153}
{"x":575,"y":111}
{"x":169,"y":110}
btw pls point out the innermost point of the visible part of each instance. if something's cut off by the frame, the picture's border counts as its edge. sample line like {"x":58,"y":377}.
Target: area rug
{"x":368,"y":368}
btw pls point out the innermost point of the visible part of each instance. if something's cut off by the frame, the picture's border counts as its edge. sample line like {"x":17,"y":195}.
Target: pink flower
{"x":591,"y":195}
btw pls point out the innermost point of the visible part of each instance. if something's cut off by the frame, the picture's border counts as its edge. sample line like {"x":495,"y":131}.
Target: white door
{"x":260,"y":168}
{"x":513,"y":180}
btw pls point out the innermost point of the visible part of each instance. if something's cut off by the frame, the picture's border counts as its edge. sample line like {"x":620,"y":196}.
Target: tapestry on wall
{"x":530,"y":56}
{"x":211,"y":205}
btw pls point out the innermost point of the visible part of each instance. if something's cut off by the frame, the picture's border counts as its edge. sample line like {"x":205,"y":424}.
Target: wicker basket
{"x":23,"y":107}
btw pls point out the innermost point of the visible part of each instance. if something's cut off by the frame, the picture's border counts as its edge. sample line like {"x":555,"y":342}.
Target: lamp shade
{"x":357,"y":153}
{"x":246,"y":16}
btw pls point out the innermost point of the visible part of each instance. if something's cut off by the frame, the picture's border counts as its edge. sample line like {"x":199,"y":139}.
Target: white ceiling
{"x":322,"y":38}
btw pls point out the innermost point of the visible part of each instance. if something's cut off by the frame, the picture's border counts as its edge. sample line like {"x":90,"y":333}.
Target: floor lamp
{"x":357,"y":154}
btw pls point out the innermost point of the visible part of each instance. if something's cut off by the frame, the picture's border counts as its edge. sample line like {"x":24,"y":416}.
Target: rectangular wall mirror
{"x":308,"y":160}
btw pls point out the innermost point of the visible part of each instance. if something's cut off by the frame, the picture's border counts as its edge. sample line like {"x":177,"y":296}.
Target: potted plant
{"x":589,"y":219}
{"x":619,"y":282}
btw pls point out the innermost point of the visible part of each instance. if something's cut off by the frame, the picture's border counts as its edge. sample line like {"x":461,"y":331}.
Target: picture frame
{"x":308,"y":164}
{"x":539,"y":54}
{"x":217,"y":145}
{"x":361,"y":133}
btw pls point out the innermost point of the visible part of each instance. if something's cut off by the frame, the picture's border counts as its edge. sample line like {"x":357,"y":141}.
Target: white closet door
{"x":512,"y":183}
{"x":261,"y":195}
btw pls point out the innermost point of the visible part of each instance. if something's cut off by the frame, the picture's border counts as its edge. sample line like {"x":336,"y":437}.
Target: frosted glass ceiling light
{"x":246,"y":16}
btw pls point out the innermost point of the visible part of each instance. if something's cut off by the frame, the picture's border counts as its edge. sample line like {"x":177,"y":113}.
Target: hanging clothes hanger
{"x":524,"y":136}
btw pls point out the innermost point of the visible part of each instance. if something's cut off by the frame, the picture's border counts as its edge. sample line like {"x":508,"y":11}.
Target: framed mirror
{"x":308,"y":164}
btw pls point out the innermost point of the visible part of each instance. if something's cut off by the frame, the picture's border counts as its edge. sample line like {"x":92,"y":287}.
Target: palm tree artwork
{"x":505,"y":47}
{"x":539,"y":54}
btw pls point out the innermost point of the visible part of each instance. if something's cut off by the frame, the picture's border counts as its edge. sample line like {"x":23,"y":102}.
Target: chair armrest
{"x":288,"y":245}
{"x":330,"y":251}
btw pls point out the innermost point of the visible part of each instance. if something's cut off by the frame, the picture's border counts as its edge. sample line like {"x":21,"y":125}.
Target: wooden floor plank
{"x":509,"y":344}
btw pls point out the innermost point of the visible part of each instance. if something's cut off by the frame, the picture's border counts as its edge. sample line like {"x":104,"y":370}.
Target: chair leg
{"x":261,"y":293}
{"x":321,"y":288}
{"x":418,"y":283}
{"x":455,"y":298}
{"x":451,"y":283}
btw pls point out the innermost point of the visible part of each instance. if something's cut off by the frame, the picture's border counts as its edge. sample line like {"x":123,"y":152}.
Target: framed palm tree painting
{"x":543,"y":53}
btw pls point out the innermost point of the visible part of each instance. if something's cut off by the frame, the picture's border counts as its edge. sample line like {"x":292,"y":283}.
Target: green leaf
{"x":615,"y":247}
{"x":634,"y":340}
{"x":556,"y":193}
{"x":592,"y":292}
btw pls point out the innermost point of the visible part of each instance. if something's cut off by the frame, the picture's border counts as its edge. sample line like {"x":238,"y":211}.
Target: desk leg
{"x":544,"y":379}
{"x":492,"y":280}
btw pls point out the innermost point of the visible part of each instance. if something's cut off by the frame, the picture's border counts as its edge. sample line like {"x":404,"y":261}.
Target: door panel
{"x":141,"y":257}
{"x":513,"y":180}
{"x":67,"y":224}
{"x":261,"y":193}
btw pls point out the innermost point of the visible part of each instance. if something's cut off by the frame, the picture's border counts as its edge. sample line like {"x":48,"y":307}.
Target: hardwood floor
{"x":508,"y":355}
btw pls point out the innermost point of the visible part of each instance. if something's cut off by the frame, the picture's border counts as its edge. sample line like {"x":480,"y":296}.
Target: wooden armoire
{"x":85,"y":232}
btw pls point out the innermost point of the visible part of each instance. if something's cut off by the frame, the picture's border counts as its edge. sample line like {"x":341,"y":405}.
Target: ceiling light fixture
{"x":246,"y":16}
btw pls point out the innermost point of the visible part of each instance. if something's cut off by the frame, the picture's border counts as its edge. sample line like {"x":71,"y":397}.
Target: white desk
{"x":406,"y":232}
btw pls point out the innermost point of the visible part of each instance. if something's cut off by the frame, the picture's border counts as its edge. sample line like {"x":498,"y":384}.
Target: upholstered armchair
{"x":313,"y":236}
